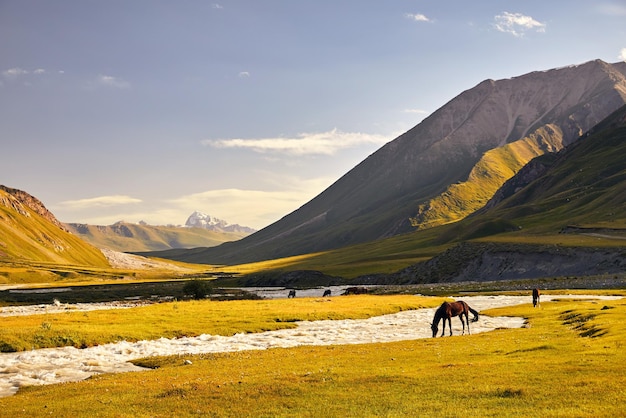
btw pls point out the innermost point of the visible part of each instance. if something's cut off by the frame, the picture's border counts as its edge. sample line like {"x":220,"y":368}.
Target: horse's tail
{"x":474,"y":312}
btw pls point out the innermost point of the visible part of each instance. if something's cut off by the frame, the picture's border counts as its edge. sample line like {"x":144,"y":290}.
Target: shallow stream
{"x":56,"y":365}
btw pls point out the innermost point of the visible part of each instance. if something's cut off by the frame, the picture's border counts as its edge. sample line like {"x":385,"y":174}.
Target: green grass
{"x":549,"y":369}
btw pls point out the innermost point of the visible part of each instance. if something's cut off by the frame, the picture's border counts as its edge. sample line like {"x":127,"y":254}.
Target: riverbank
{"x":57,"y":365}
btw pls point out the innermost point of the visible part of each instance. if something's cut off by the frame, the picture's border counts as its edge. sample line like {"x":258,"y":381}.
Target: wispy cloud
{"x":15,"y":72}
{"x":418,"y":17}
{"x":323,"y":143}
{"x":244,"y":74}
{"x":217,"y":6}
{"x":517,"y":24}
{"x":612,"y":9}
{"x":253,"y":208}
{"x":110,"y":81}
{"x":417,"y":111}
{"x":101,"y":201}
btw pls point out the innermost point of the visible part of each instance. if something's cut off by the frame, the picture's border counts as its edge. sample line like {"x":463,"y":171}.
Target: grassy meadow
{"x":568,"y":362}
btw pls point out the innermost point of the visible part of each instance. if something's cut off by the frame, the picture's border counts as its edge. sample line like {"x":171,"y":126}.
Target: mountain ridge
{"x":378,"y":197}
{"x":30,"y":232}
{"x":580,"y":191}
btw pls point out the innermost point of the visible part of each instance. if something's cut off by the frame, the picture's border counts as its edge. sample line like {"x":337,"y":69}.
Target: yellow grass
{"x":190,"y":318}
{"x":549,"y":370}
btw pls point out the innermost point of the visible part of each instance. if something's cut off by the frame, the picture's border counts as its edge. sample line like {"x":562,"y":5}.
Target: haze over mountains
{"x":443,"y":169}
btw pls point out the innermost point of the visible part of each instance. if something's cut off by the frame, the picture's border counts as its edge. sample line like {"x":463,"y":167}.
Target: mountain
{"x":444,"y":168}
{"x":131,"y":237}
{"x":578,"y":194}
{"x":29,"y":232}
{"x":204,"y":221}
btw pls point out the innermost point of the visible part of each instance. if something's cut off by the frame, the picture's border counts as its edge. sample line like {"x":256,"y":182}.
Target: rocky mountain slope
{"x":579,"y":192}
{"x":29,"y":232}
{"x":431,"y":175}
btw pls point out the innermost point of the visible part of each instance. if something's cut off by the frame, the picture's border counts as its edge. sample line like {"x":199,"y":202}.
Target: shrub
{"x":197,"y":288}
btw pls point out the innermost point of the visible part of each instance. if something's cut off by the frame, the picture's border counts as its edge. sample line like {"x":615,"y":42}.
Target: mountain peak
{"x":202,"y":220}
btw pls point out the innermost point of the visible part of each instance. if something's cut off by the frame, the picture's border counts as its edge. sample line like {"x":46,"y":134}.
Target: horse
{"x":355,"y":291}
{"x":326,"y":293}
{"x":292,"y":294}
{"x":447,"y":310}
{"x":535,"y":298}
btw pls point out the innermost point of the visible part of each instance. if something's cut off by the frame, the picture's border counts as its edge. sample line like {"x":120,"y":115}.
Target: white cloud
{"x":101,"y":201}
{"x":418,"y":111}
{"x":111,"y":81}
{"x":517,"y":24}
{"x":217,"y":6}
{"x":612,"y":9}
{"x":253,"y":208}
{"x":244,"y":74}
{"x":622,"y":54}
{"x":17,"y":72}
{"x":14,"y":72}
{"x":322,"y":143}
{"x":418,"y":17}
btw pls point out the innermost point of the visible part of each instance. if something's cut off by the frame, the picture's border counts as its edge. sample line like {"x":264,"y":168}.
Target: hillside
{"x":29,"y":232}
{"x":130,"y":237}
{"x":560,"y":216}
{"x":563,"y":216}
{"x":431,"y":174}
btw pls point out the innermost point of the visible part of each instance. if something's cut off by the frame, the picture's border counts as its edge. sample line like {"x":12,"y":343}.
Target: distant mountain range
{"x":443,"y":169}
{"x":200,"y":230}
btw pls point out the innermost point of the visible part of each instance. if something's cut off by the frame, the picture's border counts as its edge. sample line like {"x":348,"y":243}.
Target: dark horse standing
{"x":535,"y":297}
{"x":447,"y":310}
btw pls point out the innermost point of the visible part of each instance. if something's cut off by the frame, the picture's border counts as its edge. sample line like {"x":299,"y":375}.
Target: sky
{"x":149,"y":110}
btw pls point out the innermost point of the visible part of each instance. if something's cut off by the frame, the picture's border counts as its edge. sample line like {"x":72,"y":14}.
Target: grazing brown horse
{"x":535,"y":297}
{"x":447,"y":310}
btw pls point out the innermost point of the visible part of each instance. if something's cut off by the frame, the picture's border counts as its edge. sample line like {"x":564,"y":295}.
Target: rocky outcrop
{"x":22,"y":199}
{"x":492,"y":262}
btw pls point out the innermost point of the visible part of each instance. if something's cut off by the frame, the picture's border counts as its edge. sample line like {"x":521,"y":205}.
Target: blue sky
{"x":245,"y":110}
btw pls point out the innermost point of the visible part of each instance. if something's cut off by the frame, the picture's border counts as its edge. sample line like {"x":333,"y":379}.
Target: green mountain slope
{"x":28,"y":232}
{"x":488,"y":175}
{"x":584,"y":185}
{"x":562,"y":215}
{"x":129,"y":237}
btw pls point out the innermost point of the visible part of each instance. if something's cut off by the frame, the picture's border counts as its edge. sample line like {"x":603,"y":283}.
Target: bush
{"x":197,"y":288}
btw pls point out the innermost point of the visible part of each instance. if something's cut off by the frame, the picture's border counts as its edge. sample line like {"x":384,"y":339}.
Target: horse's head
{"x":434,"y":327}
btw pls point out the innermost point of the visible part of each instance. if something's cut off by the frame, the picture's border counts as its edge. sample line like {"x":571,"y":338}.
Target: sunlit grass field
{"x":568,"y":362}
{"x":190,"y":318}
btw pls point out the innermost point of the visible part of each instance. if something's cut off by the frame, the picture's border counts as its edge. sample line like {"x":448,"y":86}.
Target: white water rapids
{"x":56,"y":365}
